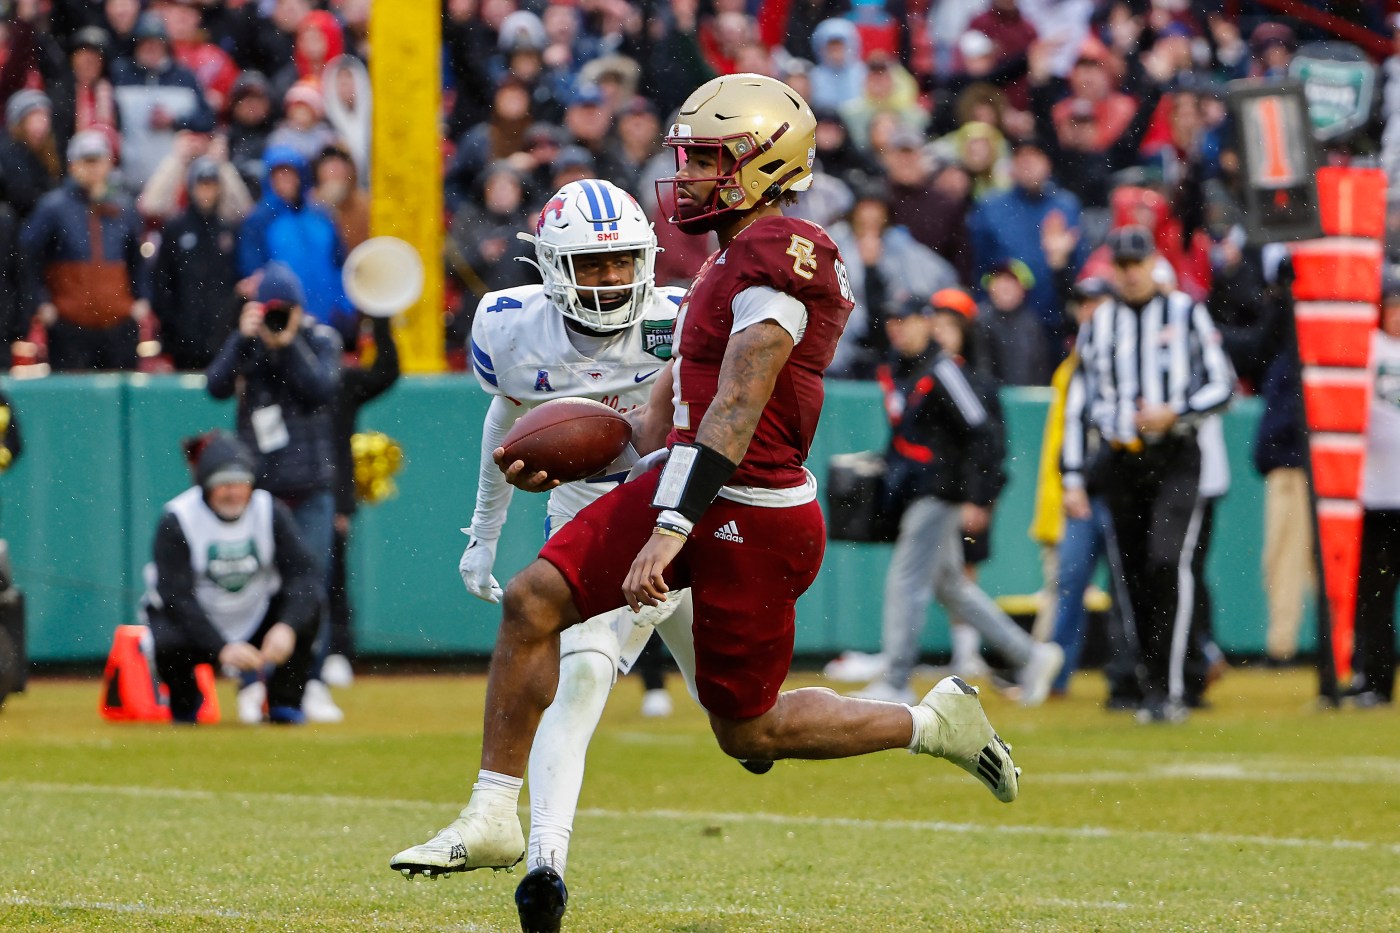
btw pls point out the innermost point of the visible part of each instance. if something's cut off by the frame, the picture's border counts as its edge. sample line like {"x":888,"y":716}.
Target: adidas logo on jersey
{"x":729,"y":531}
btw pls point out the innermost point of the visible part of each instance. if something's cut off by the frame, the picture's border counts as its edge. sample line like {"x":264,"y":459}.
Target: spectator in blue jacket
{"x":839,"y":76}
{"x":284,"y":367}
{"x":1006,"y":225}
{"x":287,"y":227}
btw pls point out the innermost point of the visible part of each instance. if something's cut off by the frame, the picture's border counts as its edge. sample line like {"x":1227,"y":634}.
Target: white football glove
{"x":475,"y":568}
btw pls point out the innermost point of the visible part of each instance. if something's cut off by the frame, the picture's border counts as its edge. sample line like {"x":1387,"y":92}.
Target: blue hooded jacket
{"x":832,"y":86}
{"x":302,"y":235}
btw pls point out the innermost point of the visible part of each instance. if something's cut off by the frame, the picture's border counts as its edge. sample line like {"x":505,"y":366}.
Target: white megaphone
{"x":383,"y":276}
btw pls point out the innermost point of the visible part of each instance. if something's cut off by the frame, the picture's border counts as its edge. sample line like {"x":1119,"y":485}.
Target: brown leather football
{"x":568,"y":438}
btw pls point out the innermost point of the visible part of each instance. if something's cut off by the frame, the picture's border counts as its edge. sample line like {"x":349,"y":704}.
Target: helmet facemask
{"x":592,"y":218}
{"x":606,"y":307}
{"x":738,"y":159}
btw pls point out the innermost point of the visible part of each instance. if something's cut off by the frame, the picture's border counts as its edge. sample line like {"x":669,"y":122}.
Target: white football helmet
{"x":594,"y":216}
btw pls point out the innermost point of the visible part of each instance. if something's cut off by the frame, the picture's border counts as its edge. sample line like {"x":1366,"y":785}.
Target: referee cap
{"x":1131,"y":243}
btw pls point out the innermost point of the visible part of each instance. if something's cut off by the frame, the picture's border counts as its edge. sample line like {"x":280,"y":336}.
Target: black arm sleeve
{"x":300,"y":588}
{"x":358,"y":386}
{"x":175,"y":585}
{"x":988,"y":450}
{"x":1124,"y":151}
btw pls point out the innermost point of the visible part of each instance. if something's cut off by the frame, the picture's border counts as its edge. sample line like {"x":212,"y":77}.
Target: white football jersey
{"x":521,"y":350}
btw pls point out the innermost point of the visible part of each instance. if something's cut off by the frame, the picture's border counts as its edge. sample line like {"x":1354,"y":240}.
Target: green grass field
{"x":1260,"y":814}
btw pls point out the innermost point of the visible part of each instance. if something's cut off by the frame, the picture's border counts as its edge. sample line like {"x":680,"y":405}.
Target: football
{"x":568,"y":438}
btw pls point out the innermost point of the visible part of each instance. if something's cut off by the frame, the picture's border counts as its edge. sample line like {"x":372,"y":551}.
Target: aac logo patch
{"x":542,"y":381}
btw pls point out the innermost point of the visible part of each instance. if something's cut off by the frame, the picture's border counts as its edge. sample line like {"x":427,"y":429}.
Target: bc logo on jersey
{"x":542,"y":381}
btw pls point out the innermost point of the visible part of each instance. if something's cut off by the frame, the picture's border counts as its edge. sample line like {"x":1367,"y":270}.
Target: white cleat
{"x":337,"y":672}
{"x":855,"y":667}
{"x":656,"y":704}
{"x":1039,"y":673}
{"x":881,"y":689}
{"x":959,"y":731}
{"x":476,"y":839}
{"x":252,"y":703}
{"x":317,"y":704}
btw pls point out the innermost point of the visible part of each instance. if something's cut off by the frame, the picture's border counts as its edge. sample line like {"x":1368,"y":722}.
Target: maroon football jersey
{"x":792,"y":256}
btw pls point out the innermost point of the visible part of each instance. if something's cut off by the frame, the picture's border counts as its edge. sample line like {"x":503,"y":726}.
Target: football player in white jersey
{"x":597,"y":328}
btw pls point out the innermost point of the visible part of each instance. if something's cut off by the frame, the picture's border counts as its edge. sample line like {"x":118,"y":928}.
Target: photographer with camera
{"x":284,"y":367}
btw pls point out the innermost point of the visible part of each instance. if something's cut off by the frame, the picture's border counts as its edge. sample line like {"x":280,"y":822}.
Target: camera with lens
{"x":276,"y":316}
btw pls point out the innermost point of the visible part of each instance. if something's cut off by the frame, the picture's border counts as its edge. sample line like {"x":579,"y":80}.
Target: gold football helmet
{"x":764,"y":139}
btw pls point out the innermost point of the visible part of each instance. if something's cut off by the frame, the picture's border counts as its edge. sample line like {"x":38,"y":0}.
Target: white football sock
{"x":557,"y":757}
{"x":496,"y":792}
{"x":920,"y":718}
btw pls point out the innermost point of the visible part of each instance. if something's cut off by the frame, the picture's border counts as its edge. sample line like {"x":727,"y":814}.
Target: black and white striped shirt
{"x":1166,"y":353}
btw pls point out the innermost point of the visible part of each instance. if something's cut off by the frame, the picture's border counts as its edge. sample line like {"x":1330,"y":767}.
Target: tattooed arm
{"x":747,"y":376}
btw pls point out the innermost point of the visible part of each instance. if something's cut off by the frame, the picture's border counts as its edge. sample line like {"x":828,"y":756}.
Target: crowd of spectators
{"x":157,"y":150}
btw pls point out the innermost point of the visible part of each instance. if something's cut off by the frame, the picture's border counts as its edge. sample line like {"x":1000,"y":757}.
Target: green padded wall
{"x":102,"y":454}
{"x":65,"y":513}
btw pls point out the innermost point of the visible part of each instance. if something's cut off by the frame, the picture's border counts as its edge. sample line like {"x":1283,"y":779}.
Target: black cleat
{"x":756,"y":765}
{"x":540,"y":899}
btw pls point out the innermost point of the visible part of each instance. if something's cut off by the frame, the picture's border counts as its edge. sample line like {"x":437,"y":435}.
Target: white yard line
{"x":16,"y":900}
{"x":780,"y":819}
{"x":147,"y":910}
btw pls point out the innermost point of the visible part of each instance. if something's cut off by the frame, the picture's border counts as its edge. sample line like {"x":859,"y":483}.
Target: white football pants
{"x":591,"y":654}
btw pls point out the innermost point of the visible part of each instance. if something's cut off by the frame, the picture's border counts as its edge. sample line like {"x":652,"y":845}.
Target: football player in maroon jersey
{"x":732,"y":513}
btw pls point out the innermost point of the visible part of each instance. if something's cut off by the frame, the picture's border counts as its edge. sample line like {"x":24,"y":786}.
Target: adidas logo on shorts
{"x":729,"y":531}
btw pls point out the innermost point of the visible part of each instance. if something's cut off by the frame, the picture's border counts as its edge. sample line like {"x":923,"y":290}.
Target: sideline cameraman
{"x":285,"y":368}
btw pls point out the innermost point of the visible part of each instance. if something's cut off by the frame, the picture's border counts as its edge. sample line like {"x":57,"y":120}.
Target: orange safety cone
{"x":208,"y":713}
{"x":131,"y":689}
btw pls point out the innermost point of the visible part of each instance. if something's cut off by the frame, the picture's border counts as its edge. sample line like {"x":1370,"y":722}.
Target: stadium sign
{"x":1339,"y":82}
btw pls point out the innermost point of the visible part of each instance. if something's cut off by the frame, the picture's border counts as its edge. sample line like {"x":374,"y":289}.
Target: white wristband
{"x":672,"y":517}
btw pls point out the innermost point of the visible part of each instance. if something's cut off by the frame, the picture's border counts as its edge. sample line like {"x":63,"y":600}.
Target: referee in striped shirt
{"x":1151,"y":368}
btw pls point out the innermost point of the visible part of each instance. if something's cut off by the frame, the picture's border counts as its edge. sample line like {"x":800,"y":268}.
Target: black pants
{"x":1154,"y":497}
{"x":177,"y":655}
{"x":651,"y":664}
{"x":340,"y":639}
{"x":82,"y":348}
{"x":1374,"y":654}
